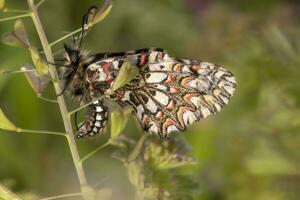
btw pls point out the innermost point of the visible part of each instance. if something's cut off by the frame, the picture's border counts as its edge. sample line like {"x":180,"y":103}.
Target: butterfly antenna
{"x":85,"y":23}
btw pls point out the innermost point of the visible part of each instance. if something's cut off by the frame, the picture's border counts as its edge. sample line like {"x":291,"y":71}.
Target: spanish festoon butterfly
{"x":168,"y":94}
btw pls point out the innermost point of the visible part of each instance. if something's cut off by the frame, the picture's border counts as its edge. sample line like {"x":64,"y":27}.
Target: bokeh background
{"x":250,"y":150}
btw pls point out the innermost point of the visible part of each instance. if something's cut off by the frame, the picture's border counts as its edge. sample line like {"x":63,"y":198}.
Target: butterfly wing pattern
{"x":169,"y":94}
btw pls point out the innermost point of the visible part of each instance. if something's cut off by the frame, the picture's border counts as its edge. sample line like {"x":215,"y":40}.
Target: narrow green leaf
{"x":119,"y":120}
{"x":125,"y":75}
{"x":5,"y":123}
{"x":36,"y":81}
{"x":2,"y":5}
{"x":103,"y":12}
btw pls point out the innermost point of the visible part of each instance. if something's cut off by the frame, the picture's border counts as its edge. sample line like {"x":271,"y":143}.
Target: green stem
{"x":15,"y":71}
{"x":41,"y":132}
{"x":62,"y":196}
{"x":85,"y":105}
{"x":64,"y":37}
{"x":46,"y":99}
{"x":61,"y":100}
{"x":95,"y":151}
{"x":40,"y":3}
{"x":15,"y":17}
{"x":16,"y":11}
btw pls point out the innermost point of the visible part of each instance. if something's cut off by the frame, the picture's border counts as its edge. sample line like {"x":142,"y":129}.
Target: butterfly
{"x":168,"y":94}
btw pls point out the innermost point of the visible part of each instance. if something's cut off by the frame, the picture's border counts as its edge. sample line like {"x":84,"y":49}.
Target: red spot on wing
{"x":195,"y":68}
{"x":171,"y":105}
{"x":159,"y":116}
{"x":188,"y":97}
{"x":145,"y":120}
{"x":105,"y":67}
{"x":174,"y":90}
{"x":168,"y":123}
{"x":143,"y":59}
{"x":170,"y":79}
{"x":110,"y":80}
{"x":180,"y":112}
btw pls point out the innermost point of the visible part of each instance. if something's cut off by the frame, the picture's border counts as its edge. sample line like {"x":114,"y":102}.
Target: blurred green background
{"x":250,"y":150}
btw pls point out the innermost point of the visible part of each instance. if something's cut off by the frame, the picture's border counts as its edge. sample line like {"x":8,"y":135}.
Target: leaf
{"x":135,"y":174}
{"x":39,"y":63}
{"x":6,"y":124}
{"x":166,"y":155}
{"x":119,"y":120}
{"x":103,"y":12}
{"x":125,"y":75}
{"x":36,"y":81}
{"x":18,"y":37}
{"x":2,"y":5}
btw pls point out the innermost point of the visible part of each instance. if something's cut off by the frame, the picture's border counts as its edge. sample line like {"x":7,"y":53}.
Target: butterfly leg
{"x":96,"y":120}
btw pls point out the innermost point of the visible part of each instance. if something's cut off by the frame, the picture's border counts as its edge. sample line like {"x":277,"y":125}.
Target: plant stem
{"x":65,"y":37}
{"x":46,"y":99}
{"x":85,"y":105}
{"x":16,"y":11}
{"x":62,"y":196}
{"x":61,"y":101}
{"x":40,"y":3}
{"x":15,"y":17}
{"x":95,"y":151}
{"x":41,"y":132}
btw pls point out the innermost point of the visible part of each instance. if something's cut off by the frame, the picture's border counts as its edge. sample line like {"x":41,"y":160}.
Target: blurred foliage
{"x":250,"y":150}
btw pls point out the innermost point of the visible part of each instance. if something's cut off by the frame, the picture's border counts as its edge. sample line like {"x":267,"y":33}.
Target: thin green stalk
{"x":15,"y":71}
{"x":15,"y":17}
{"x":46,"y":99}
{"x":16,"y":11}
{"x":62,"y":196}
{"x":85,"y":105}
{"x":40,"y":3}
{"x":61,"y":100}
{"x":95,"y":151}
{"x":41,"y":132}
{"x":65,"y":37}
